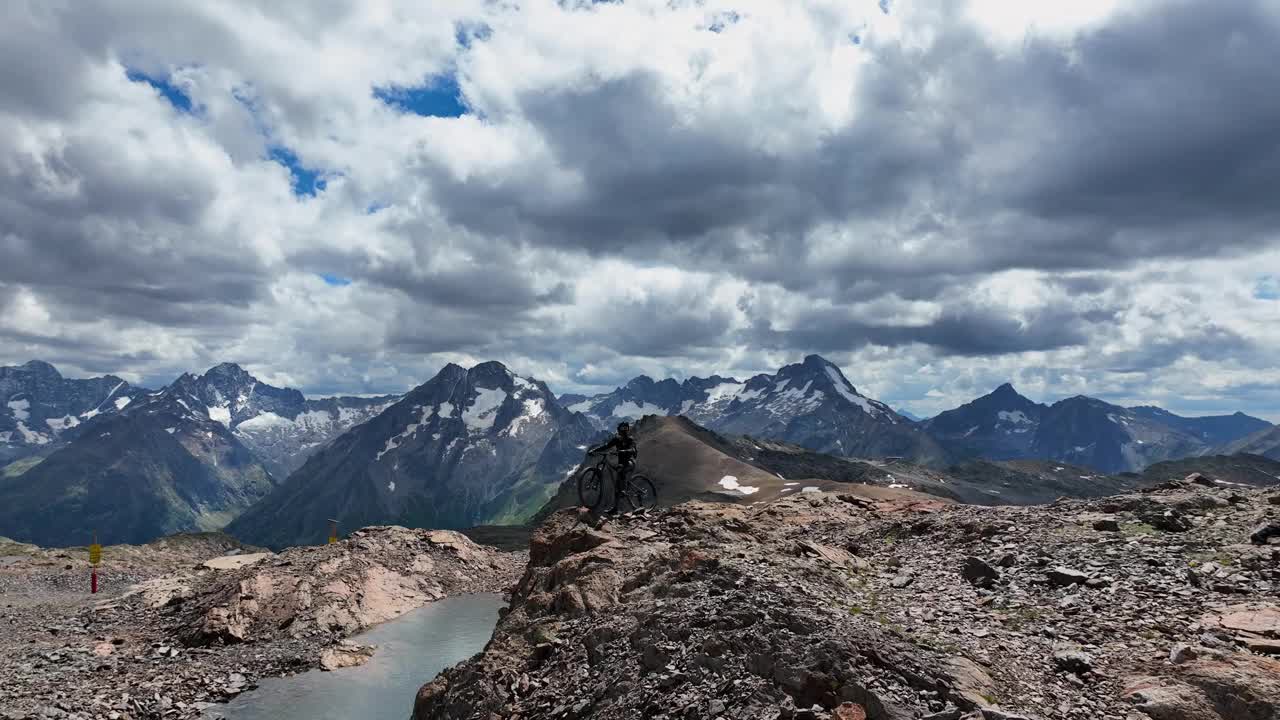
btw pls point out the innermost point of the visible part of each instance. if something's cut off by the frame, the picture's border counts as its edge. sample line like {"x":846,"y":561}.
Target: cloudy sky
{"x":939,"y":196}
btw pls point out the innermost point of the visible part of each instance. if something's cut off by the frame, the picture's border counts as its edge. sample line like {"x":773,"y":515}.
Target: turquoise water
{"x":412,"y":650}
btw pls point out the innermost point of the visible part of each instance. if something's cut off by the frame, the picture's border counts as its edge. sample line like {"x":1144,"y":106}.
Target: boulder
{"x":1263,"y":533}
{"x":1062,"y":576}
{"x":1170,"y":520}
{"x":1072,"y":660}
{"x":979,"y":573}
{"x":345,"y":654}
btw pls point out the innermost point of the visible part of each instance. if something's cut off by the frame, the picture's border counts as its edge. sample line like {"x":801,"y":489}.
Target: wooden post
{"x":333,"y":531}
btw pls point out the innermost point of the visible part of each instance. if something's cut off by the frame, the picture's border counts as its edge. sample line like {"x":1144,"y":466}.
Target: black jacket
{"x":626,"y":447}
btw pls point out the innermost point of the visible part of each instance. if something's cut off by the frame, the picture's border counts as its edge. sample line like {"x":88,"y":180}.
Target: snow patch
{"x":266,"y":421}
{"x":723,"y":391}
{"x":410,"y":429}
{"x":584,"y":406}
{"x":4,"y":436}
{"x":971,"y":431}
{"x":220,"y":414}
{"x":122,"y":402}
{"x":533,"y":408}
{"x":171,"y":430}
{"x":60,"y":424}
{"x":484,"y":409}
{"x":91,"y":414}
{"x":846,"y":391}
{"x":810,"y":488}
{"x":30,"y":436}
{"x":897,"y":485}
{"x":20,"y":408}
{"x":632,"y":411}
{"x":791,"y":483}
{"x":729,"y":482}
{"x":1017,"y":417}
{"x":391,"y":486}
{"x":446,"y":409}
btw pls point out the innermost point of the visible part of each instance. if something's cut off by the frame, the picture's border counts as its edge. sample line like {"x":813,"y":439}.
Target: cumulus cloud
{"x":940,"y":196}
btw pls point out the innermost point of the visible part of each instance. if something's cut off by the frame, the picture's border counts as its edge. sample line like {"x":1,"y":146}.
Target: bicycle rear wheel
{"x":590,"y":488}
{"x":640,"y":493}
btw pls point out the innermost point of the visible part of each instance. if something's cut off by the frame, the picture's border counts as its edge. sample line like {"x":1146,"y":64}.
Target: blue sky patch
{"x":1267,"y":288}
{"x":306,"y":181}
{"x":176,"y":97}
{"x":334,"y":280}
{"x":439,"y":97}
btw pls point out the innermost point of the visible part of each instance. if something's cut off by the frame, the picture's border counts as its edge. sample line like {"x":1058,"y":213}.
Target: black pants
{"x":624,"y":472}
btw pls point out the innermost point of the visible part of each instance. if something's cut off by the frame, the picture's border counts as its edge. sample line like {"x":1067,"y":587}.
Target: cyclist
{"x":625,"y":445}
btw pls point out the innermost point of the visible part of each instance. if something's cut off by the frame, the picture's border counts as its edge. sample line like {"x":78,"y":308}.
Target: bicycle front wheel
{"x":641,"y":494}
{"x":590,"y":488}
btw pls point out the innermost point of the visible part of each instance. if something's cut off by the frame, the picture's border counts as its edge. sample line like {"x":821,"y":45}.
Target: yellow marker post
{"x":95,"y":557}
{"x":333,"y":531}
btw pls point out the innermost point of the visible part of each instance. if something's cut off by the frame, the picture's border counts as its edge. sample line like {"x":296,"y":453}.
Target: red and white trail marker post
{"x":95,"y":557}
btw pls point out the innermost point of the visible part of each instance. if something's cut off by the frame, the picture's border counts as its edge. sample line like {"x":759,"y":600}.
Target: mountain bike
{"x":637,"y":489}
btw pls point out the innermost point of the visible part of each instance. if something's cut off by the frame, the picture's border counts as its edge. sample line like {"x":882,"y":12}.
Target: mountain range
{"x":1004,"y":425}
{"x":134,"y":464}
{"x":809,"y":403}
{"x":485,"y":446}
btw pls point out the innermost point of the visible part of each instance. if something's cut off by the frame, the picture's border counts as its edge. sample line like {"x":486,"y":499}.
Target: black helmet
{"x":624,"y":425}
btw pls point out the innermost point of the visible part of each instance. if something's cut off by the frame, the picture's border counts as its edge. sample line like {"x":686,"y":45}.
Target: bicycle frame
{"x":606,"y":467}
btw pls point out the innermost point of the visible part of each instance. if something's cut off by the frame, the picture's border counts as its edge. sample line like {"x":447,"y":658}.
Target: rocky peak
{"x":41,"y":368}
{"x":492,"y":375}
{"x":815,"y":362}
{"x":640,"y":382}
{"x":1006,"y":391}
{"x":702,"y":384}
{"x":230,"y":373}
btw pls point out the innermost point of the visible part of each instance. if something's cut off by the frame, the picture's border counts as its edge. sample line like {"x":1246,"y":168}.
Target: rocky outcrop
{"x":798,"y":608}
{"x":192,"y":634}
{"x":336,"y":590}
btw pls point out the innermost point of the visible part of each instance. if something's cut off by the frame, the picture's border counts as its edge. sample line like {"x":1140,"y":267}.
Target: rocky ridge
{"x":1149,"y":605}
{"x":181,"y":640}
